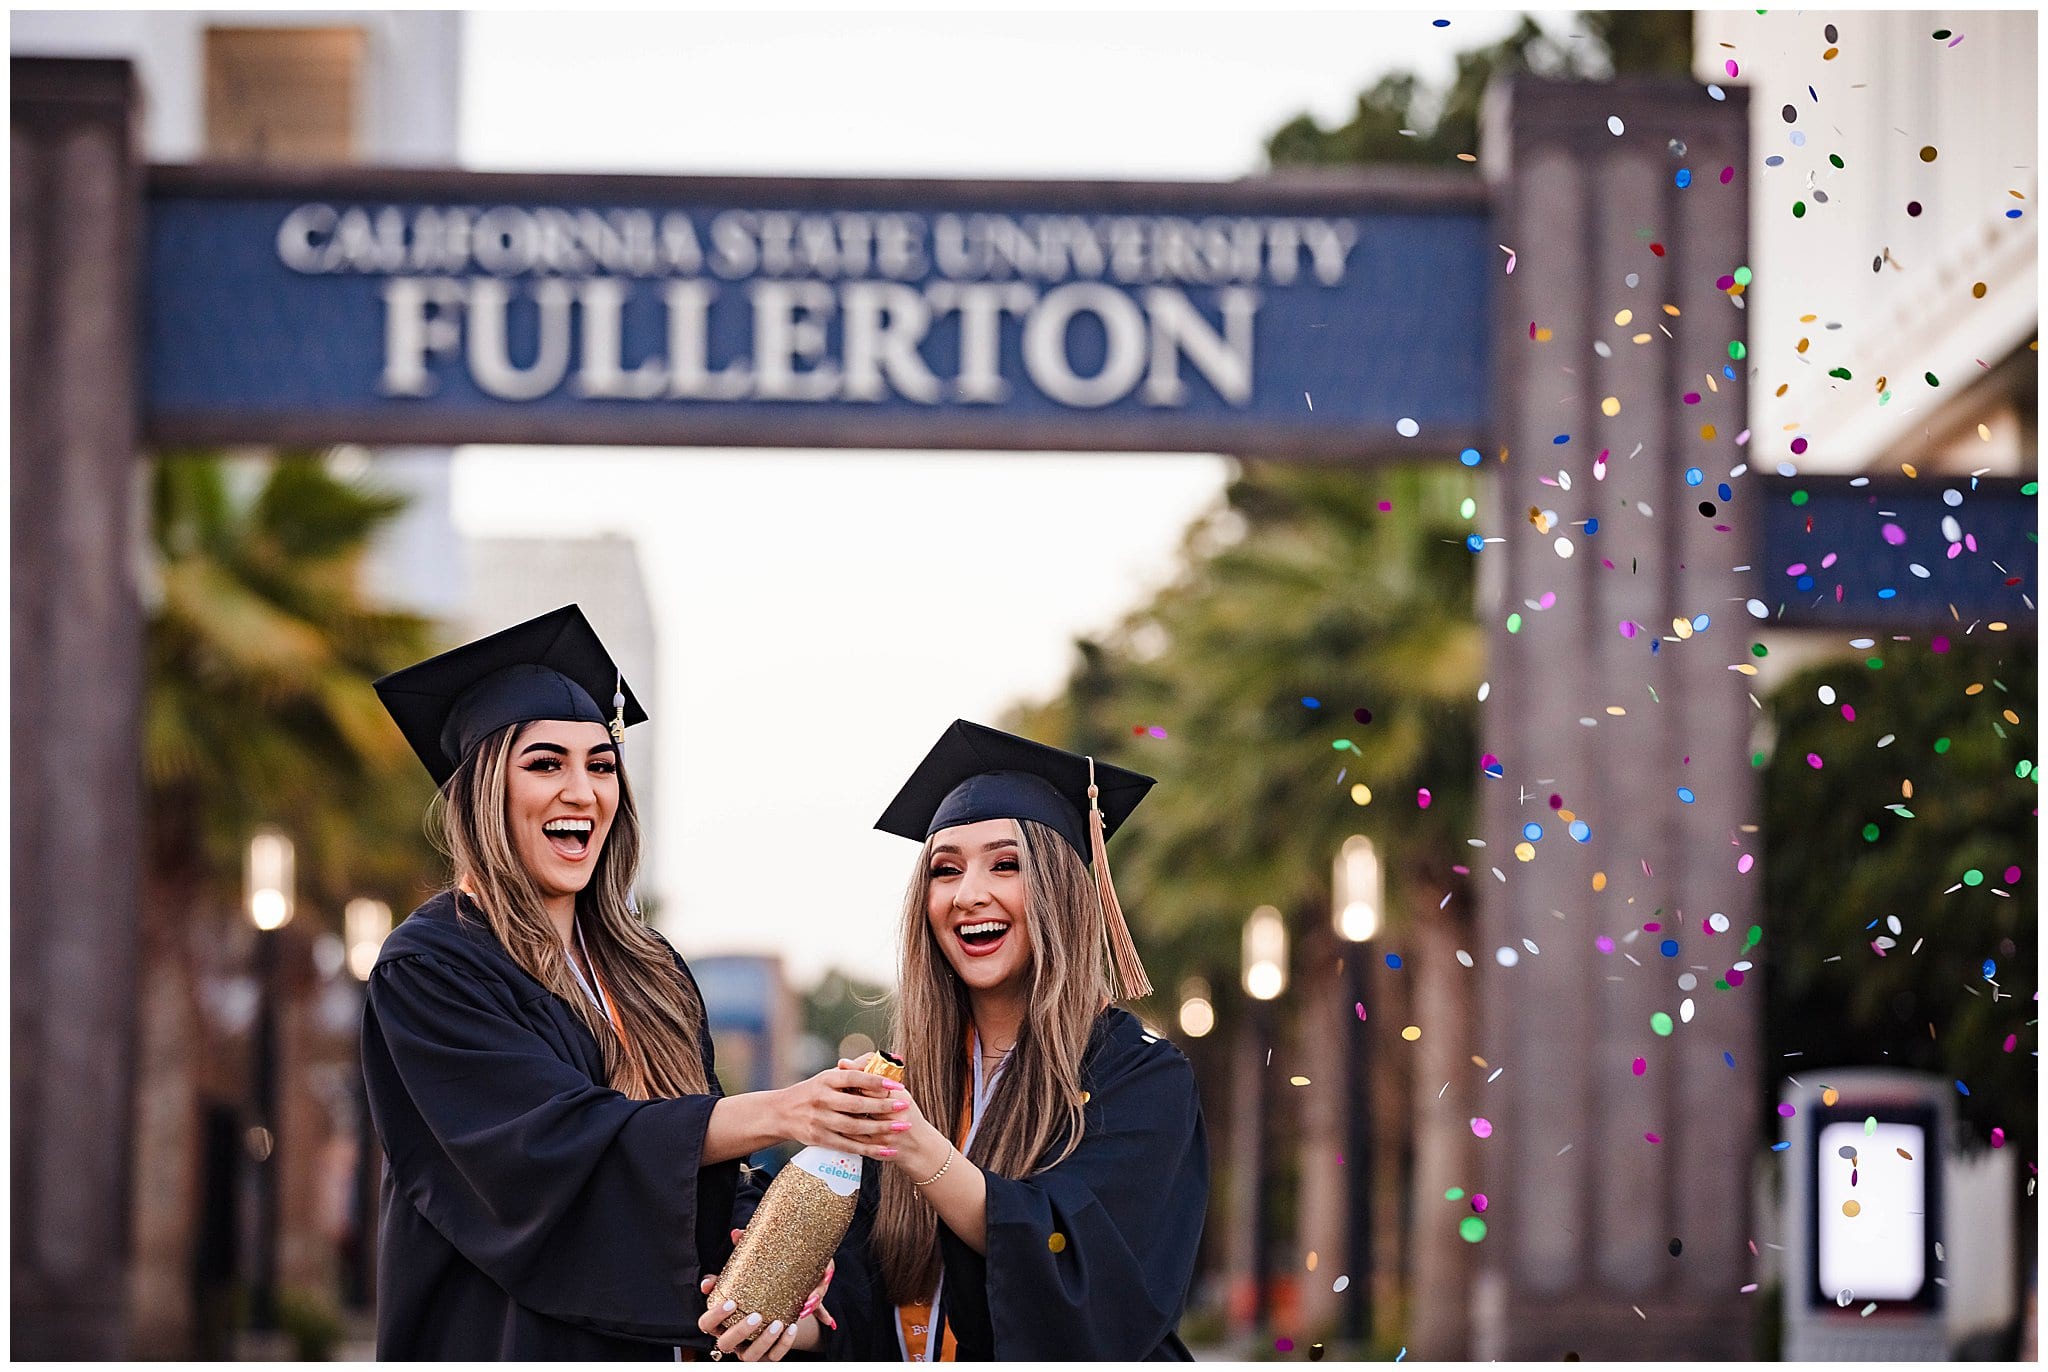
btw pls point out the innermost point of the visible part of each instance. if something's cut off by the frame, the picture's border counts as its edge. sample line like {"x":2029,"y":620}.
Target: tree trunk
{"x":1389,"y":1006}
{"x":1443,"y":1132}
{"x":1320,"y":1012}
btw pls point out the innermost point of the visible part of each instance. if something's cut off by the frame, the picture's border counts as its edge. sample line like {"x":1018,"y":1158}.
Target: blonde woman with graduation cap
{"x":562,"y":1162}
{"x":1047,"y":1198}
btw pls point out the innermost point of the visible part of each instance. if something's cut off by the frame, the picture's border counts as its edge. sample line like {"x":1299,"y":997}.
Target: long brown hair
{"x":656,"y":1004}
{"x":1034,"y":1119}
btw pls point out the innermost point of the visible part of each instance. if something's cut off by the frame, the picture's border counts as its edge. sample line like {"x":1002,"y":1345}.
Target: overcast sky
{"x":824,"y":615}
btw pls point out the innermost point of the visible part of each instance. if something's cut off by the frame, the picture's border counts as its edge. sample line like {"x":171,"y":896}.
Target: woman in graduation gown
{"x":561,"y":1162}
{"x":1047,"y":1199}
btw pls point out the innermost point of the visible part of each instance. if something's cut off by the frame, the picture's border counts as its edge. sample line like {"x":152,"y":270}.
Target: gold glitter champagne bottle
{"x":799,"y":1224}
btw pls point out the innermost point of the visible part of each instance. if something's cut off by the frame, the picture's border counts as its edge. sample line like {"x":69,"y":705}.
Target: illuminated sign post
{"x":1863,"y":1210}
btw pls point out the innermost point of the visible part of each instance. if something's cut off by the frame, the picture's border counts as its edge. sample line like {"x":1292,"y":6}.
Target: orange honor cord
{"x":611,"y":1003}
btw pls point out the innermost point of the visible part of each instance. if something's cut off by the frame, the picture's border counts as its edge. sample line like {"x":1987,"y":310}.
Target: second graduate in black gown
{"x":1047,"y":1200}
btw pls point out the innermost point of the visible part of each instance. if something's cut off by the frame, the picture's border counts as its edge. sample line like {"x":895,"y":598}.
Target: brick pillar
{"x":1583,"y":1207}
{"x":76,"y":639}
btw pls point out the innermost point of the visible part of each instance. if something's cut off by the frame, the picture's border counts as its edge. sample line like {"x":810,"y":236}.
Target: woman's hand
{"x":921,"y":1149}
{"x":756,"y":1342}
{"x":843,"y":1108}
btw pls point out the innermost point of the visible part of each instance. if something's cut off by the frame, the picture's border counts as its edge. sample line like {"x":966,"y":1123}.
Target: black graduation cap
{"x":974,"y":773}
{"x":551,"y":667}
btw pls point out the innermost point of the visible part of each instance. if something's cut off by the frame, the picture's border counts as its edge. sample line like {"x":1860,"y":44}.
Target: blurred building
{"x":1917,"y":256}
{"x":308,"y":87}
{"x":753,"y":1016}
{"x":511,"y":579}
{"x":1881,"y":272}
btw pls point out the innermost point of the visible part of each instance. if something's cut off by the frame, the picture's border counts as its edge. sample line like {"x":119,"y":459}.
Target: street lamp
{"x":268,"y":896}
{"x":1358,"y":890}
{"x":1197,"y":1015}
{"x":1265,"y":954}
{"x":364,"y":924}
{"x":267,"y":879}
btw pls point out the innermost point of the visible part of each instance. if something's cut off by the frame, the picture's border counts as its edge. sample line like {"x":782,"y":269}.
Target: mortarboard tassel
{"x":1127,"y":974}
{"x":618,"y":725}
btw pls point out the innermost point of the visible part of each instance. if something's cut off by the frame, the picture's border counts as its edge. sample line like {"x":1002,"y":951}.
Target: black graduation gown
{"x":1130,"y":1203}
{"x":528,"y":1211}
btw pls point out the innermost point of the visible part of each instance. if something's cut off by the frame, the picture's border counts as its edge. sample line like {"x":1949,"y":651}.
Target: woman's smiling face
{"x":562,"y":792}
{"x":976,"y":903}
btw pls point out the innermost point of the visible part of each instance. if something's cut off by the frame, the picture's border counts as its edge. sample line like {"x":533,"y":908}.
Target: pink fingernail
{"x":888,"y":1152}
{"x":899,"y":1126}
{"x":899,"y":1105}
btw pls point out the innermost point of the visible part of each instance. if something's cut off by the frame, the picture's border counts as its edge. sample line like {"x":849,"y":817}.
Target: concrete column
{"x":76,"y":640}
{"x":1584,"y":1208}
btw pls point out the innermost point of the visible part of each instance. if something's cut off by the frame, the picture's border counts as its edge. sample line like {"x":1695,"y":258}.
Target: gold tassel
{"x":1127,"y":974}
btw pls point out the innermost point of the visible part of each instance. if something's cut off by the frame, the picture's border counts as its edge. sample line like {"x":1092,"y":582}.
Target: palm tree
{"x":258,"y":710}
{"x":1354,"y":593}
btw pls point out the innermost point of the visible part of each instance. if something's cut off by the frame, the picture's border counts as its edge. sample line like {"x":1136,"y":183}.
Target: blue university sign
{"x":1301,"y":318}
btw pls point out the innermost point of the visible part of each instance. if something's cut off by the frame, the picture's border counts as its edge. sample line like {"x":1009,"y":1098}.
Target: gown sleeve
{"x":580,"y":1203}
{"x":1127,"y":1206}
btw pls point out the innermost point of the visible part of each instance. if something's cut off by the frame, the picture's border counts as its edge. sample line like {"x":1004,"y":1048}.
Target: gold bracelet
{"x":950,"y":1150}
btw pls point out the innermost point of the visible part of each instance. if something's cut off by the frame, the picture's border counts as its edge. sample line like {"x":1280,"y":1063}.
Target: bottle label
{"x":839,"y":1171}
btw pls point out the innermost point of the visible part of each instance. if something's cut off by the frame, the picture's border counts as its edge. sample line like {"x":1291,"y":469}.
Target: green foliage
{"x":1300,"y":587}
{"x":259,"y":710}
{"x":839,"y":1005}
{"x":1443,"y":124}
{"x":311,"y":1322}
{"x":1833,"y":998}
{"x":1646,"y":42}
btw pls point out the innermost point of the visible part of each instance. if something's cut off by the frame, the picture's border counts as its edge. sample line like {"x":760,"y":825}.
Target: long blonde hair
{"x":1036,"y":1109}
{"x":657,"y":1006}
